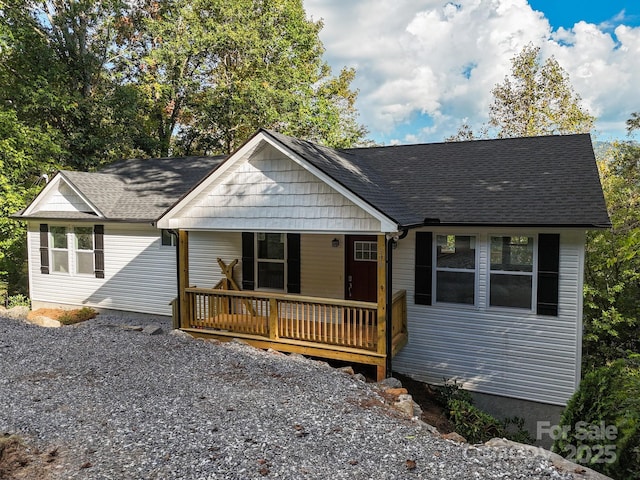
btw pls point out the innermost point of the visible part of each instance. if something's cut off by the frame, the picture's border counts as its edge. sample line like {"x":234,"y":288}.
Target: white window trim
{"x":533,"y":273}
{"x":435,"y":270}
{"x":72,"y":251}
{"x":258,"y":260}
{"x":58,"y":249}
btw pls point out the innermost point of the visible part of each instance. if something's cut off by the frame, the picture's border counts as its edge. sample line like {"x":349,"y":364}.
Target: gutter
{"x":390,"y":243}
{"x":174,"y":234}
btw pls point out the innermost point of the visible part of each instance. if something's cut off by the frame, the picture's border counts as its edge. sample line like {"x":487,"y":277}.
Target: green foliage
{"x":18,"y":300}
{"x":633,"y":123}
{"x":602,"y":420}
{"x":215,"y":71}
{"x":449,"y":391}
{"x":537,"y":99}
{"x":534,"y":99}
{"x":87,"y":82}
{"x":25,"y":153}
{"x":474,"y":424}
{"x":612,"y":264}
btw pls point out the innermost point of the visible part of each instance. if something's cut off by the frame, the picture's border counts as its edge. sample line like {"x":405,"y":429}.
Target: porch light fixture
{"x":335,"y":243}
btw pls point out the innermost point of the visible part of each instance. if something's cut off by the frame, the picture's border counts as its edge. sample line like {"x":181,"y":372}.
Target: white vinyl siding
{"x":204,"y":250}
{"x":270,"y":192}
{"x":63,"y":199}
{"x":490,"y":349}
{"x":140,"y":275}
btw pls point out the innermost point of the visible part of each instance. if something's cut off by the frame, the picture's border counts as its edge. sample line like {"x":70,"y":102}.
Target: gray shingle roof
{"x":540,"y":181}
{"x":537,"y":181}
{"x":138,"y":190}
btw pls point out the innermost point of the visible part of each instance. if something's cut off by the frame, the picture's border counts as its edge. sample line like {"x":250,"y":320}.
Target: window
{"x":365,"y":251}
{"x":59,"y":250}
{"x":270,"y":260}
{"x":455,"y":269}
{"x":168,"y":240}
{"x":84,"y":250}
{"x":519,"y":271}
{"x":511,"y":271}
{"x":72,"y":250}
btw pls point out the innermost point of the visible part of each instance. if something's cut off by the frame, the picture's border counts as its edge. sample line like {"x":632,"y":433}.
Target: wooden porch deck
{"x":327,"y":328}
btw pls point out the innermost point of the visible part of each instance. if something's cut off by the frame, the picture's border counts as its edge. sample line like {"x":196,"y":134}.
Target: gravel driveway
{"x":121,"y":404}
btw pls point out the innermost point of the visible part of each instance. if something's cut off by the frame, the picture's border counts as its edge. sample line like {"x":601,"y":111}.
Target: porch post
{"x":382,"y":304}
{"x":183,"y":276}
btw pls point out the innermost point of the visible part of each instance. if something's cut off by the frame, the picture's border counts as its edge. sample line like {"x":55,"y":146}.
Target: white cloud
{"x":443,"y":58}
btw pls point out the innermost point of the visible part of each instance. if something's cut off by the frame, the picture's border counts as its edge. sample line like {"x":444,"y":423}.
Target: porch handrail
{"x":283,"y":296}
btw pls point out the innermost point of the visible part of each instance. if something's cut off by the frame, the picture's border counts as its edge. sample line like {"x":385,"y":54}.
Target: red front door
{"x":361,"y":268}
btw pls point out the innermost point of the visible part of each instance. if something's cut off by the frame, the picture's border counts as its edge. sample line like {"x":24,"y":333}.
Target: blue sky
{"x":425,"y":66}
{"x":566,"y":13}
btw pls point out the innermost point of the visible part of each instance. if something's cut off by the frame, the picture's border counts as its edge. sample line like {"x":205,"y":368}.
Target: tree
{"x":56,"y":71}
{"x":612,"y":264}
{"x":535,"y":99}
{"x":633,"y":123}
{"x":216,"y":71}
{"x":25,"y":154}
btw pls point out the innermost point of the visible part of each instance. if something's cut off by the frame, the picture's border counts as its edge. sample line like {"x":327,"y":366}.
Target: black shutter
{"x":548,"y":274}
{"x":293,"y":263}
{"x":248,"y":269}
{"x":44,"y":248}
{"x":98,"y":250}
{"x":424,"y":267}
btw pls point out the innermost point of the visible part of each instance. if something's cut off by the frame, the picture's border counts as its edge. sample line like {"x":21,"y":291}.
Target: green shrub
{"x":18,"y":301}
{"x":451,"y":390}
{"x":474,"y":424}
{"x":601,"y":425}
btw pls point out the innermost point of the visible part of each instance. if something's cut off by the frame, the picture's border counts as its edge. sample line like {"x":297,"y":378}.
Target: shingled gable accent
{"x":252,"y":147}
{"x":40,"y":202}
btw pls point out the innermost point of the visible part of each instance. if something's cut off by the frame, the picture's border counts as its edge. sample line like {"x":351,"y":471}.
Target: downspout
{"x":390,"y":243}
{"x":174,"y":234}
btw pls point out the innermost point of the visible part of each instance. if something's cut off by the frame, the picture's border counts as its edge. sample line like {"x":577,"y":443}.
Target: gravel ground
{"x":121,"y":404}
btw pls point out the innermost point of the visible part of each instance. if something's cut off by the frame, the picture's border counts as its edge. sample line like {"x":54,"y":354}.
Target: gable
{"x":60,"y":196}
{"x":269,"y":191}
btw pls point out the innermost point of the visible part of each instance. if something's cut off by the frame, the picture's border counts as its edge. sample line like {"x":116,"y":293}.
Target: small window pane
{"x":168,"y":240}
{"x":455,"y":287}
{"x":84,"y":262}
{"x":456,"y":251}
{"x":511,"y":290}
{"x":367,"y":251}
{"x":512,"y":254}
{"x":59,"y":237}
{"x":271,"y":246}
{"x":271,"y":275}
{"x":60,"y":261}
{"x":84,"y":238}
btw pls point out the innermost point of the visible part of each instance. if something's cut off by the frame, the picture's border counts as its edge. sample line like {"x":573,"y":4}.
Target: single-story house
{"x":458,"y":260}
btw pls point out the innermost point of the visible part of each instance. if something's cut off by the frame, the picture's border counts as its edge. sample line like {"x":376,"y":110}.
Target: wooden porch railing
{"x":279,"y":316}
{"x":321,"y":327}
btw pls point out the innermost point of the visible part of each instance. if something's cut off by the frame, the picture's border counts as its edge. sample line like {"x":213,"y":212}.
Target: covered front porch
{"x":367,"y":332}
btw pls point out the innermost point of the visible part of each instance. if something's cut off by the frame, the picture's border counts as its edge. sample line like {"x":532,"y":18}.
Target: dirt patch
{"x":19,"y":461}
{"x":66,"y":317}
{"x":424,"y":395}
